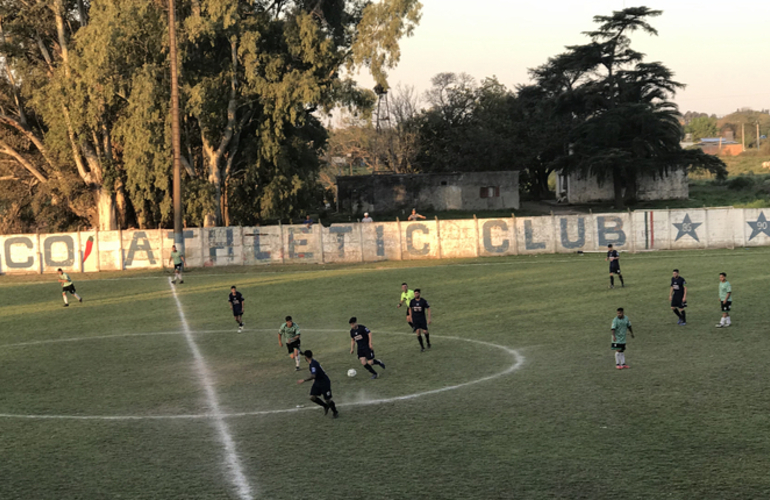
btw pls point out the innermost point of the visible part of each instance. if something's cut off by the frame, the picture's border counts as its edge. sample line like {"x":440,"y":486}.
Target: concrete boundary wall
{"x":92,"y":251}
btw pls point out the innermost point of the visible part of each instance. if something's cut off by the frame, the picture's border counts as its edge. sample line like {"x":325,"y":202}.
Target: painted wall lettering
{"x":341,"y":232}
{"x":140,"y":243}
{"x":581,"y":237}
{"x":529,"y":244}
{"x":258,"y":253}
{"x":187,"y":234}
{"x":18,"y":264}
{"x":410,"y":229}
{"x":48,"y":254}
{"x":380,"y":231}
{"x":228,"y":246}
{"x":487,"y":231}
{"x":294,"y":243}
{"x":610,"y":229}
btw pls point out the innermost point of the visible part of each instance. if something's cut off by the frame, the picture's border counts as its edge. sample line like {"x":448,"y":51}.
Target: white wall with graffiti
{"x":92,"y":251}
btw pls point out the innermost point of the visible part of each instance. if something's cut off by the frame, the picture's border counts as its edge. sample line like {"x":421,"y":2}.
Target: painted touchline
{"x":343,"y":267}
{"x":515,"y":354}
{"x":234,"y":468}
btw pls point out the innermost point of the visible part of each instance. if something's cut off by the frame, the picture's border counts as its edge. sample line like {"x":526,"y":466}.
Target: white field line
{"x":234,"y":467}
{"x":515,"y":354}
{"x":365,"y":267}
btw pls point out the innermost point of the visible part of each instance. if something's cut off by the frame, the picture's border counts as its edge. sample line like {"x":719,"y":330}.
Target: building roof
{"x":716,"y":140}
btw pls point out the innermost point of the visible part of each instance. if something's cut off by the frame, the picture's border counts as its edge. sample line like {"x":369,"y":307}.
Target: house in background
{"x":446,"y":191}
{"x":587,"y":189}
{"x":723,"y":146}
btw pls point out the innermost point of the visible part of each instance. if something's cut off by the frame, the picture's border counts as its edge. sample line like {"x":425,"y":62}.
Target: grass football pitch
{"x":124,"y":397}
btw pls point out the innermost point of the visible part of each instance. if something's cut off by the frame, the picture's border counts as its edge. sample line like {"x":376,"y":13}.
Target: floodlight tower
{"x":383,"y":119}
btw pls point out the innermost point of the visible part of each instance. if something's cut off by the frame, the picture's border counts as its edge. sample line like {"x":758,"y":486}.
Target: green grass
{"x":688,"y":420}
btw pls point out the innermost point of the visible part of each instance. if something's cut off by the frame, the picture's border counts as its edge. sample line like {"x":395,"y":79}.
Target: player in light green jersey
{"x":67,"y":286}
{"x":620,"y":325}
{"x":725,"y":300}
{"x":289,"y":332}
{"x":178,"y":260}
{"x":406,"y":297}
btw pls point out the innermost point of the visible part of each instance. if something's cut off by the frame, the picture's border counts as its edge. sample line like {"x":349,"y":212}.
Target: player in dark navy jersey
{"x":361,"y":337}
{"x":322,"y":386}
{"x":236,"y":304}
{"x":678,"y":297}
{"x":614,"y":258}
{"x":418,"y":309}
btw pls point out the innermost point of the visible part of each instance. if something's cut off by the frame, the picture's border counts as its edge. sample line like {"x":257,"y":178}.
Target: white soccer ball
{"x":351,"y":373}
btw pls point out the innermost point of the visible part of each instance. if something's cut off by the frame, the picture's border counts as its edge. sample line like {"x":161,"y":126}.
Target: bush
{"x":740,"y":183}
{"x":760,"y":203}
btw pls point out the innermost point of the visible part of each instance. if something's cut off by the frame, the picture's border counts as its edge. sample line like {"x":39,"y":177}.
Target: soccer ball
{"x":351,"y":373}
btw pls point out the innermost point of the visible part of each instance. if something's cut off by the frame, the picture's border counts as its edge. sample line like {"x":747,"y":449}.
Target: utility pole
{"x":743,"y":136}
{"x":758,"y":139}
{"x":175,"y":135}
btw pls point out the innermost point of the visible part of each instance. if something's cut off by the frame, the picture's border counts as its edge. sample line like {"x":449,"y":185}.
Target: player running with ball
{"x":362,"y":336}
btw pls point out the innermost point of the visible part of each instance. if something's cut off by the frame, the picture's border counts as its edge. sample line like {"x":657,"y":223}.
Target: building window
{"x":489,"y":192}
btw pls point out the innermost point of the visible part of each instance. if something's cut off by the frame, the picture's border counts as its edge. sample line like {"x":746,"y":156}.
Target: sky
{"x":719,"y":49}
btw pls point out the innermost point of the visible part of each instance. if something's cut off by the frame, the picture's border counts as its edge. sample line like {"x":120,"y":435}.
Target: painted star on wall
{"x":761,"y":225}
{"x":687,"y":227}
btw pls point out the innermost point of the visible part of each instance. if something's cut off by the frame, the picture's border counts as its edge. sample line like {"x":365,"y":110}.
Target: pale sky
{"x":719,"y":49}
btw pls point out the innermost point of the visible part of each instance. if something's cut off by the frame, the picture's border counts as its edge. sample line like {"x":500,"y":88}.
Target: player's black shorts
{"x":366,"y":353}
{"x":615,"y":267}
{"x":237,"y":311}
{"x":725,"y":305}
{"x":678,"y":302}
{"x":290,"y":346}
{"x":68,"y":288}
{"x":618,"y":347}
{"x":419,"y":324}
{"x":322,"y":388}
{"x":178,"y":267}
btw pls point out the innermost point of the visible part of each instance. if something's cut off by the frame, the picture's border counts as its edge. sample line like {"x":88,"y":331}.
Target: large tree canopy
{"x":626,"y":126}
{"x":84,"y":103}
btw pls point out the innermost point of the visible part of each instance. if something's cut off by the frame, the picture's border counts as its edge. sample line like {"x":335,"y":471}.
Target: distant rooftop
{"x":716,"y":140}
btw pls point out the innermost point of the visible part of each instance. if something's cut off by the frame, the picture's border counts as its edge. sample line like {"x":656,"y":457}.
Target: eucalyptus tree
{"x":85,"y":89}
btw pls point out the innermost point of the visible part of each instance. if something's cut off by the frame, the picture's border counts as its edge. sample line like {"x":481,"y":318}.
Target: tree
{"x":86,"y":88}
{"x":626,"y":125}
{"x":702,"y":126}
{"x":467,"y":128}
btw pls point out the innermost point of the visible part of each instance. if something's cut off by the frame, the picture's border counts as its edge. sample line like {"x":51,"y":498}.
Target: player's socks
{"x":622,"y":283}
{"x":678,"y":315}
{"x":427,"y":339}
{"x":321,"y":404}
{"x":684,"y":316}
{"x":617,"y":358}
{"x":296,"y":361}
{"x":379,"y":362}
{"x":419,"y":337}
{"x":622,"y":358}
{"x":728,"y":322}
{"x":67,"y":302}
{"x":370,"y":369}
{"x":332,"y":407}
{"x":612,"y":281}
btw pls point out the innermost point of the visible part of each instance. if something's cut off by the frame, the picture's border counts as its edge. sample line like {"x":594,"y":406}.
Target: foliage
{"x":626,"y":125}
{"x":702,"y":126}
{"x":746,"y":120}
{"x":85,"y":100}
{"x":468,"y":127}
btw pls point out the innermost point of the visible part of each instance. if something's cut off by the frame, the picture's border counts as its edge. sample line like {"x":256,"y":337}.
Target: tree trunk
{"x":105,"y":204}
